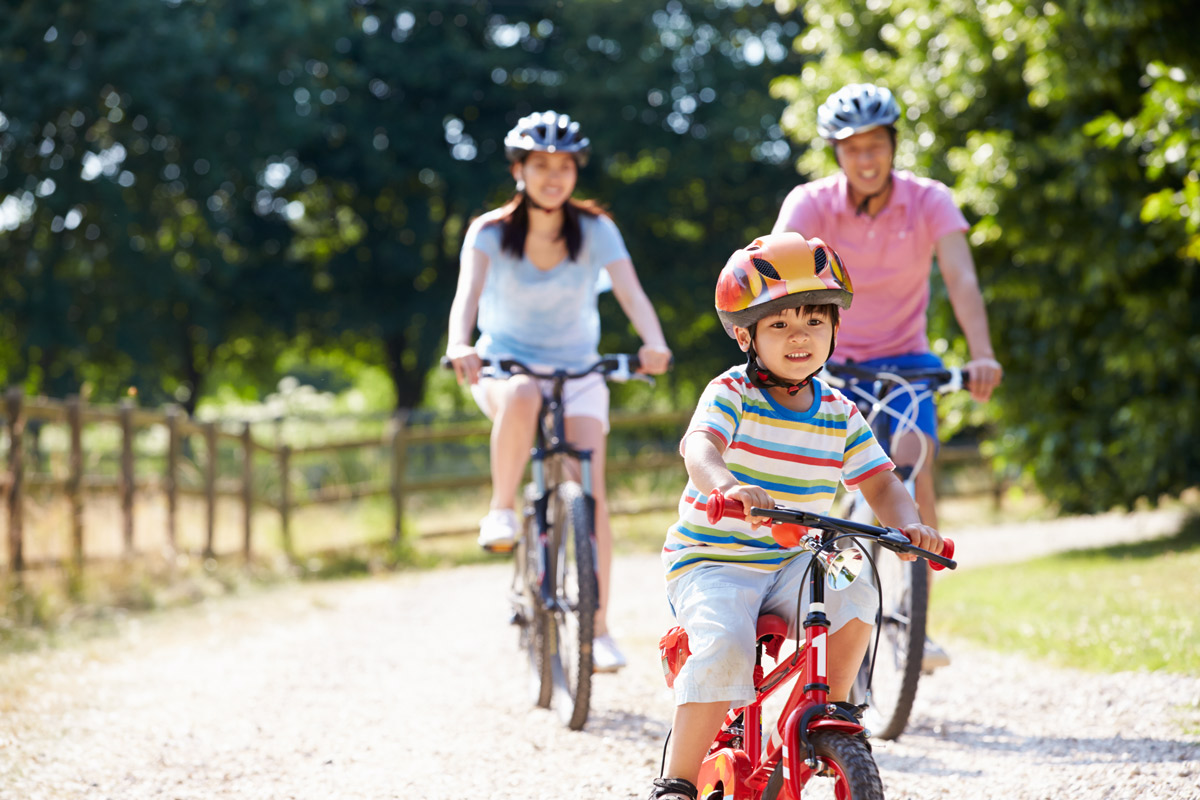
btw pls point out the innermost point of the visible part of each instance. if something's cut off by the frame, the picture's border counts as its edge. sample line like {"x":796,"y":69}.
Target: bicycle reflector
{"x":673,"y":647}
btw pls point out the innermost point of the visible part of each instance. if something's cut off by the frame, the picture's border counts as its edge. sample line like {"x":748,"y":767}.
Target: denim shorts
{"x":926,"y":419}
{"x":719,"y":605}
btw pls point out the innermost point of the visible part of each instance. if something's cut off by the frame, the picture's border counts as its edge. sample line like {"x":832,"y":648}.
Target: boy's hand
{"x":923,"y":537}
{"x":751,"y":496}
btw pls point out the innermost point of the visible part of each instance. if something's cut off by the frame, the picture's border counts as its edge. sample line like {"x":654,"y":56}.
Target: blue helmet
{"x":856,"y":108}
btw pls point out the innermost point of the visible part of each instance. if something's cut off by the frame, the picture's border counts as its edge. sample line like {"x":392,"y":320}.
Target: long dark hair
{"x":514,"y":224}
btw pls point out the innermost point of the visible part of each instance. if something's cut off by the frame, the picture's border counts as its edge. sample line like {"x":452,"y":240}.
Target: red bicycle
{"x":816,"y":748}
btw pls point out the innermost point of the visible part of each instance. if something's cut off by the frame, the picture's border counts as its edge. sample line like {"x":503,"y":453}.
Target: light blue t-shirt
{"x":546,"y":317}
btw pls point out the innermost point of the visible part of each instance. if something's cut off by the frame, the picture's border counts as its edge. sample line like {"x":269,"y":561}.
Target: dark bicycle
{"x":888,"y":680}
{"x":554,"y":587}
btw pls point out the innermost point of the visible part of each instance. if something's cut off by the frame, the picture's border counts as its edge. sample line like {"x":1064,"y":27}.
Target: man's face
{"x":866,"y":158}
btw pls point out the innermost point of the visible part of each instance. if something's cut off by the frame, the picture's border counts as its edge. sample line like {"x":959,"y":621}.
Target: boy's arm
{"x":895,"y":508}
{"x":702,"y":455}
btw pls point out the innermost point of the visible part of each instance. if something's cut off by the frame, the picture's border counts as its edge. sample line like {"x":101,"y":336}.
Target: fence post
{"x":16,"y":470}
{"x":285,"y":498}
{"x":210,"y":488}
{"x":75,"y":476}
{"x":171,"y":478}
{"x":127,"y":477}
{"x":399,"y":462}
{"x":247,"y":489}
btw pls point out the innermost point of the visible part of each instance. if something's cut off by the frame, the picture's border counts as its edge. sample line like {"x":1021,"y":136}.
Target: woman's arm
{"x":962,"y":285}
{"x":464,"y":311}
{"x":654,"y":353}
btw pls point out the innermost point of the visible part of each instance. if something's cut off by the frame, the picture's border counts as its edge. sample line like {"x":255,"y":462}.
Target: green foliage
{"x":1127,"y":607}
{"x":193,"y":191}
{"x":1081,"y":185}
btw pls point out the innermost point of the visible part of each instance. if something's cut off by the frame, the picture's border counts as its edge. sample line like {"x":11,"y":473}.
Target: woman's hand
{"x":654,"y":360}
{"x":923,"y":537}
{"x":466,"y":361}
{"x":751,"y":497}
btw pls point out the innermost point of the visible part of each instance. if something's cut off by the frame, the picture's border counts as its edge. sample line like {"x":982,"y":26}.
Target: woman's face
{"x":549,"y":177}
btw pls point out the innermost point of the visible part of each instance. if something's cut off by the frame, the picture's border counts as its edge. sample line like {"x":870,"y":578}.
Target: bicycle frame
{"x":547,"y":468}
{"x":738,"y":758}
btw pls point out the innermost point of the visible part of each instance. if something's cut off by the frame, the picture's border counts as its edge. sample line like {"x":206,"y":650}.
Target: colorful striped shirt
{"x":799,"y":457}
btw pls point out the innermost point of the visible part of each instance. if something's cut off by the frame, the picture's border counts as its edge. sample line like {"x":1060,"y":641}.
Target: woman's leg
{"x":514,"y":403}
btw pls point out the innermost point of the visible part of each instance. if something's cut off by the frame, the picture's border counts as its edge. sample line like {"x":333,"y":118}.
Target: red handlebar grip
{"x":947,"y":552}
{"x":785,"y":533}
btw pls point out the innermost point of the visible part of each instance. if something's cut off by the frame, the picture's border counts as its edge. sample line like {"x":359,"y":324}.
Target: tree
{"x":1074,"y":178}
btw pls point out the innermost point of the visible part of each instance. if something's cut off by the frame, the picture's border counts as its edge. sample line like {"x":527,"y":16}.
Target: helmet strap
{"x":866,"y":201}
{"x":762,"y":378}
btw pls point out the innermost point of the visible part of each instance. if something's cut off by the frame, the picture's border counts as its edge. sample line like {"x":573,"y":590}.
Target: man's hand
{"x":984,"y":376}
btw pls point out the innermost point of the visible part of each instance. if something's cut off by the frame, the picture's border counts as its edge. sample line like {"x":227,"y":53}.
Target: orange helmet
{"x":778,"y":271}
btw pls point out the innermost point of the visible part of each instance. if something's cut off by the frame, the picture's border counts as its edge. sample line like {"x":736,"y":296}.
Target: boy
{"x":765,"y":433}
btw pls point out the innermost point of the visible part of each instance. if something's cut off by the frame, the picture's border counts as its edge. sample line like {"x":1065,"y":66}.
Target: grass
{"x":1126,"y":607}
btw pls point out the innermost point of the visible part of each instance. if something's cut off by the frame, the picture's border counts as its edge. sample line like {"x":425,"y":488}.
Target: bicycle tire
{"x":850,"y":774}
{"x":897,"y":672}
{"x":573,"y":622}
{"x":532,"y":619}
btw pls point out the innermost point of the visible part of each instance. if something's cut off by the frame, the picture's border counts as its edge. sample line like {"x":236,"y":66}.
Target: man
{"x":887,"y":224}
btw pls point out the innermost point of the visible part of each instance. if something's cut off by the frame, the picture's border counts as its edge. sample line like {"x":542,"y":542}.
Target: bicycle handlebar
{"x":945,"y":379}
{"x":789,"y":526}
{"x":618,"y":367}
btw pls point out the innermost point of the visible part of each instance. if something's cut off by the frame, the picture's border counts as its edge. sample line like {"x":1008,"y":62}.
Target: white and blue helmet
{"x":856,"y":108}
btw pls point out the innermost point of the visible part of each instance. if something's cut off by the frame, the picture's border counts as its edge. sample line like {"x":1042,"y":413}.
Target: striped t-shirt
{"x":799,"y":457}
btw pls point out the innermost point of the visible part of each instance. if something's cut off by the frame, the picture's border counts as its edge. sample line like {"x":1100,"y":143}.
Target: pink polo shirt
{"x":889,"y":257}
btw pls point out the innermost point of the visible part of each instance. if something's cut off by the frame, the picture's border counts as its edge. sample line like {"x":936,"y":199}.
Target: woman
{"x":529,"y":274}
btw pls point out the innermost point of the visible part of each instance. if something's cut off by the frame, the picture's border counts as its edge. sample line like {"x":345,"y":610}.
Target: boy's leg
{"x":847,"y":646}
{"x":692,"y":733}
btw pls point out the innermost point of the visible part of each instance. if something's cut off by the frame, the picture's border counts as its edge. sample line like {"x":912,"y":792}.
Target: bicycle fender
{"x":796,"y":747}
{"x":726,"y":768}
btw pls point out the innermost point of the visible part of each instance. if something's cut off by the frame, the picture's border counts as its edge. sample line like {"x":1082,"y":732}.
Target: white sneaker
{"x":498,"y":530}
{"x":935,"y":656}
{"x":606,"y":656}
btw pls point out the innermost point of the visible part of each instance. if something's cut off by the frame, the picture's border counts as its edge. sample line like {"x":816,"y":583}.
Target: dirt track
{"x":410,"y":686}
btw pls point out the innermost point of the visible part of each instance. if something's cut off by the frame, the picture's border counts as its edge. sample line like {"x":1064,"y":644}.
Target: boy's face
{"x":793,"y":344}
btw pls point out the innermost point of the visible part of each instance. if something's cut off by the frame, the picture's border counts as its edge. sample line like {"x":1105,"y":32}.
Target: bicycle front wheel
{"x":905,"y":603}
{"x":847,"y":771}
{"x":574,"y":615}
{"x":531,"y":619}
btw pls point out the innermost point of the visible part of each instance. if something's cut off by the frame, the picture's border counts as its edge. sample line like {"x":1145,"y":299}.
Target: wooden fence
{"x":77,"y":485}
{"x":197,"y":445}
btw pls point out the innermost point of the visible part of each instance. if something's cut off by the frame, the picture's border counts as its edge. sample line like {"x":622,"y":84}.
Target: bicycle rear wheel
{"x":532,"y":620}
{"x":905,"y":586}
{"x":574,"y":618}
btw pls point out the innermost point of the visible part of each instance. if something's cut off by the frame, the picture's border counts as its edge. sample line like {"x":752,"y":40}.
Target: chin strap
{"x":762,"y":378}
{"x":862,"y":207}
{"x":531,"y":202}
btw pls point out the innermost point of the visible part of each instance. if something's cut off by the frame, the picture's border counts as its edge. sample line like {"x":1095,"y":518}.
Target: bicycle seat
{"x":771,"y":634}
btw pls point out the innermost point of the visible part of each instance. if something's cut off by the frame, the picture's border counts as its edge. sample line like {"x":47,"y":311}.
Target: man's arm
{"x":962,"y":284}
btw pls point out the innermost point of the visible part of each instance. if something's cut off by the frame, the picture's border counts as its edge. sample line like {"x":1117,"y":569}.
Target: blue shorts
{"x":901,"y":402}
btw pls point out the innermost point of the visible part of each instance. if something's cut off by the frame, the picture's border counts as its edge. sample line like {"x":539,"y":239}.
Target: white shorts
{"x":582,"y":397}
{"x":719,"y":605}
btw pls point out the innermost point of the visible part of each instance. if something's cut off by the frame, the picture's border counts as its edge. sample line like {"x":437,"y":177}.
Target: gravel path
{"x":411,"y":686}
